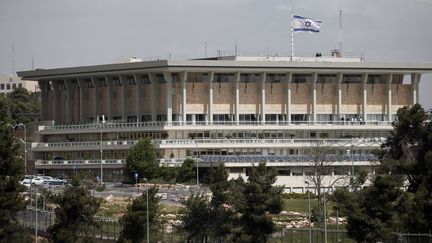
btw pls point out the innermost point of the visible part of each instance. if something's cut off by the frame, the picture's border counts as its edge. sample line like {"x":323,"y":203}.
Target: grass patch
{"x":298,"y":205}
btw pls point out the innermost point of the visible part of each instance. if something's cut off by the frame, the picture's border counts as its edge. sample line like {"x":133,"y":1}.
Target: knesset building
{"x":234,"y":110}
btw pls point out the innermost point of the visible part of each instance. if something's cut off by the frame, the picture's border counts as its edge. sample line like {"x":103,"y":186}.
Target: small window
{"x":20,"y":85}
{"x":2,"y":86}
{"x":8,"y":87}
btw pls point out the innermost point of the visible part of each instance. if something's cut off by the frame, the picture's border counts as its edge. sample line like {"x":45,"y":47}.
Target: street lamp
{"x":147,"y":214}
{"x":325,"y":217}
{"x":25,"y":141}
{"x":197,"y":167}
{"x":309,"y":213}
{"x":101,"y":155}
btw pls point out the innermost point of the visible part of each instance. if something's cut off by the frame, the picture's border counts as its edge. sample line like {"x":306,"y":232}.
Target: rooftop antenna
{"x":32,"y":63}
{"x":340,"y":32}
{"x":235,"y":48}
{"x":13,"y":58}
{"x":205,"y":49}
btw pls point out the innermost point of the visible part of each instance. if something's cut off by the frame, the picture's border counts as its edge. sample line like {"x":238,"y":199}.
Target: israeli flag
{"x":305,"y":24}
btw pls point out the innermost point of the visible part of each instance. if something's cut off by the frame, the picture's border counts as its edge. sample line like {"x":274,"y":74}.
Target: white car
{"x":37,"y":181}
{"x":27,"y":180}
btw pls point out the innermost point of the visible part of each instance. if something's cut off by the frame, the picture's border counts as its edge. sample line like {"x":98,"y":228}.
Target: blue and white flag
{"x":305,"y":24}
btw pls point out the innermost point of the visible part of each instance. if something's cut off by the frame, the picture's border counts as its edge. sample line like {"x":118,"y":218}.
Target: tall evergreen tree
{"x":141,"y":159}
{"x":11,"y":200}
{"x":74,"y":215}
{"x":222,"y":216}
{"x":196,"y":218}
{"x":186,"y":172}
{"x":259,"y":198}
{"x":135,"y":220}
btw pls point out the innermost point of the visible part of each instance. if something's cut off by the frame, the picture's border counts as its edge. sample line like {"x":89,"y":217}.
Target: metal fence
{"x":109,"y":231}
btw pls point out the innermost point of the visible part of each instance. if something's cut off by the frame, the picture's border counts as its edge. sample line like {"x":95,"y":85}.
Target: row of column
{"x":415,"y":78}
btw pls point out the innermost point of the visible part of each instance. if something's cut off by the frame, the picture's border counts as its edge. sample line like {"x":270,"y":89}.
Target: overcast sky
{"x":61,"y":33}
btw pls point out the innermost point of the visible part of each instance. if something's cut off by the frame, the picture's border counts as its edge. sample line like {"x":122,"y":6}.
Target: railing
{"x":80,"y":162}
{"x":213,"y":123}
{"x":203,"y":142}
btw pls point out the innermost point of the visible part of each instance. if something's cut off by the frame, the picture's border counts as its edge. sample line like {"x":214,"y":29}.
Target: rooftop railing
{"x":161,"y":124}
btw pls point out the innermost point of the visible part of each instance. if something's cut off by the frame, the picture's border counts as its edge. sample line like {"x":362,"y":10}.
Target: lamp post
{"x":24,"y":141}
{"x":325,"y":217}
{"x":309,"y":213}
{"x":197,"y":167}
{"x":101,"y":155}
{"x":36,"y":219}
{"x":147,"y":213}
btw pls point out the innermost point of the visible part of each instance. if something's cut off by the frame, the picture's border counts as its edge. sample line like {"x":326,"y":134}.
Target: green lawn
{"x":298,"y":205}
{"x":301,"y":205}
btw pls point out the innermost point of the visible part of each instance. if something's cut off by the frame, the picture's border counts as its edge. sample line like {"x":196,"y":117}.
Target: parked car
{"x":54,"y":182}
{"x":37,"y":181}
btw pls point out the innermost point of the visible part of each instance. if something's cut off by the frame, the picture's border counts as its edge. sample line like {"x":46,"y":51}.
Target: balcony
{"x":212,"y":144}
{"x":79,"y":164}
{"x":179,"y":125}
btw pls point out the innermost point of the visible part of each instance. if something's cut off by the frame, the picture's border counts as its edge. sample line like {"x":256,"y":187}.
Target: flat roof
{"x":221,"y":66}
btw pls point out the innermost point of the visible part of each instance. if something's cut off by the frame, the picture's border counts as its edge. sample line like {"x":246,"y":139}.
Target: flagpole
{"x":292,"y":37}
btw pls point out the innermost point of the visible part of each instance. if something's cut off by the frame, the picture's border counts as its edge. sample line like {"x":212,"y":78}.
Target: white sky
{"x":59,"y":33}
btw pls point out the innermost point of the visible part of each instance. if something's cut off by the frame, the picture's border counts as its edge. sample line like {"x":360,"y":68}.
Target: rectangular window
{"x":2,"y":86}
{"x":300,"y":78}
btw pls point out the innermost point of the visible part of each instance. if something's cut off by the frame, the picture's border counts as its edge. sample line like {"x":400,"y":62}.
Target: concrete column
{"x":183,"y":77}
{"x":389,"y":97}
{"x":154,"y":95}
{"x":339,"y":77}
{"x":314,"y":80}
{"x":237,"y":97}
{"x":168,"y":79}
{"x":415,"y":80}
{"x":81,"y":84}
{"x":69,"y":99}
{"x":56,"y":101}
{"x":96,"y":101}
{"x":43,"y":86}
{"x":109,"y":98}
{"x":210,"y":78}
{"x":138,"y":96}
{"x":364,"y":82}
{"x":263,"y":102}
{"x":288,"y":97}
{"x":193,"y":119}
{"x":124,"y":84}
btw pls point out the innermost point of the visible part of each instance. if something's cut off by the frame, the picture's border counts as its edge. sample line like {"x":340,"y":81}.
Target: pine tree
{"x":135,"y":220}
{"x":11,"y":200}
{"x":74,"y":216}
{"x":259,"y":198}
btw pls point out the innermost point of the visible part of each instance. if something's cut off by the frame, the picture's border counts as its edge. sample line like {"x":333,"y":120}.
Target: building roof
{"x":251,"y":65}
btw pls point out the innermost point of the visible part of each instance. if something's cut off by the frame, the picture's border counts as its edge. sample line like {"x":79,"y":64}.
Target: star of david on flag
{"x":305,"y":24}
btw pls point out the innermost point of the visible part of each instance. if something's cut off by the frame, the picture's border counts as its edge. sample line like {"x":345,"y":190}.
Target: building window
{"x":249,"y":78}
{"x":222,"y":77}
{"x":275,"y":78}
{"x":326,"y":78}
{"x":300,"y":78}
{"x":2,"y":86}
{"x":352,"y":78}
{"x":8,"y":87}
{"x":20,"y":85}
